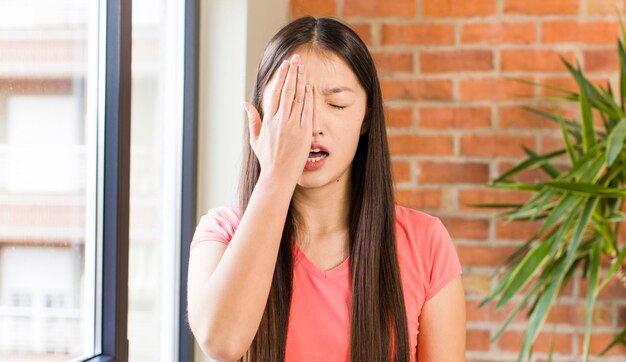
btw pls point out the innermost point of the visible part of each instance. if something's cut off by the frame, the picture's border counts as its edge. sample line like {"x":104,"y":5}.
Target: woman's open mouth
{"x":316,"y":159}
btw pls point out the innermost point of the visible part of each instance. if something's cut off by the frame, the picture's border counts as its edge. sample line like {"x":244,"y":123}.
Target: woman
{"x":318,"y":263}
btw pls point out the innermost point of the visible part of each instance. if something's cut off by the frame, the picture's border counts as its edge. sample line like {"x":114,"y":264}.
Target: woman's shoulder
{"x":217,"y":224}
{"x":420,"y":230}
{"x":425,"y":238}
{"x":414,"y":219}
{"x":223,"y":212}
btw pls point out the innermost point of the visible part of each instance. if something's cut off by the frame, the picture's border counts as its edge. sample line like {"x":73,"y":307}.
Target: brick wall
{"x":454,"y":122}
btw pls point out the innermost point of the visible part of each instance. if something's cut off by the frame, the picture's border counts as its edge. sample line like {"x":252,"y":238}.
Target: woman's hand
{"x":282,"y":140}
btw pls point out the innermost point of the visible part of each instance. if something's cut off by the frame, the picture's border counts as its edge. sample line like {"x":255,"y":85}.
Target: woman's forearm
{"x":231,"y":302}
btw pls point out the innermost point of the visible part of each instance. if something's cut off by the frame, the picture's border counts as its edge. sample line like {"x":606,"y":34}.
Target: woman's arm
{"x":442,"y":326}
{"x":228,"y":287}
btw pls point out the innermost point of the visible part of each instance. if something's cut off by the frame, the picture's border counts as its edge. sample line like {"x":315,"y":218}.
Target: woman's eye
{"x":337,"y":107}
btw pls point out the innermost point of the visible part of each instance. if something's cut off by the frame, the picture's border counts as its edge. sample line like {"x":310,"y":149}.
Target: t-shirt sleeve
{"x":444,"y":260}
{"x":218,"y":224}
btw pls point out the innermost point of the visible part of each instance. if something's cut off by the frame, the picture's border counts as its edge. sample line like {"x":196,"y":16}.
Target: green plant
{"x":579,"y":208}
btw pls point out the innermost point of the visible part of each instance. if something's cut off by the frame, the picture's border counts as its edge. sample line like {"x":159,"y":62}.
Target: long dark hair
{"x":378,"y":327}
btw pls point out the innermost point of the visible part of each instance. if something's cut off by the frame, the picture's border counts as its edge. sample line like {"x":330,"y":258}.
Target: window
{"x":48,"y":68}
{"x":96,"y":196}
{"x":156,"y":181}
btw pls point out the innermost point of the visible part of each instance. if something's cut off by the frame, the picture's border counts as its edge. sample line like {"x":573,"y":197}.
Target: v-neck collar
{"x":340,"y":269}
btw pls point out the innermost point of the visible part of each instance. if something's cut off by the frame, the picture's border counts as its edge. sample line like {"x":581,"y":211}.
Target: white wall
{"x":233,"y":35}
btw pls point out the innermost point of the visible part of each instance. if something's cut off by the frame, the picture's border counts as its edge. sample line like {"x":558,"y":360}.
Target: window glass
{"x":156,"y":134}
{"x":48,"y":70}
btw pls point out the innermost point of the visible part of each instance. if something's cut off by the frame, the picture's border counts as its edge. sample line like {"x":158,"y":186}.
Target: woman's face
{"x":339,"y":109}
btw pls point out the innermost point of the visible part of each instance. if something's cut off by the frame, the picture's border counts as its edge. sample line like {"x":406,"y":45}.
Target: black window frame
{"x":189,"y":169}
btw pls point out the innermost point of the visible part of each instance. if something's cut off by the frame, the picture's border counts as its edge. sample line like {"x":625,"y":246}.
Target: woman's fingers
{"x":298,"y":100}
{"x":276,"y":88}
{"x":289,"y":88}
{"x":306,"y":120}
{"x":254,"y":121}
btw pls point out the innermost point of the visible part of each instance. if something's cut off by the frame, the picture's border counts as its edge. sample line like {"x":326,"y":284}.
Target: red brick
{"x":453,"y":172}
{"x":535,"y":60}
{"x":489,"y":196}
{"x":621,"y":315}
{"x":419,"y":199}
{"x":543,"y":7}
{"x":478,"y":340}
{"x":601,"y":61}
{"x":387,"y":62}
{"x":516,"y":230}
{"x":598,"y":342}
{"x":613,"y":290}
{"x":474,"y":313}
{"x":417,"y":34}
{"x":495,"y":145}
{"x":483,"y":255}
{"x":533,"y":175}
{"x":458,"y":8}
{"x":417,"y":89}
{"x":518,"y":117}
{"x":455,"y":61}
{"x":455,"y":117}
{"x":364,"y":31}
{"x":596,"y":32}
{"x":493,"y":89}
{"x":299,"y":8}
{"x":399,"y":117}
{"x":488,"y":312}
{"x":57,"y":86}
{"x":553,"y":143}
{"x":499,"y":33}
{"x":464,"y":228}
{"x":376,"y":8}
{"x":25,"y":215}
{"x":513,"y":340}
{"x":605,"y":7}
{"x":476,"y":284}
{"x":576,"y":314}
{"x":52,"y":51}
{"x":566,"y":83}
{"x":420,"y":145}
{"x":401,"y":171}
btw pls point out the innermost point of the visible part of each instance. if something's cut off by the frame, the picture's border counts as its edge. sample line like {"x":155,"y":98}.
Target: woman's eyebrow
{"x":334,"y":90}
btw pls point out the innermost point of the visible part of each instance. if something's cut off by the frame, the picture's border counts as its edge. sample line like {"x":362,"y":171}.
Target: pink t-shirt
{"x":319,"y":321}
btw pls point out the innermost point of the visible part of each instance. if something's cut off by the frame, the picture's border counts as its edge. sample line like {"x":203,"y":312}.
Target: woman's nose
{"x":317,"y":126}
{"x":317,"y":130}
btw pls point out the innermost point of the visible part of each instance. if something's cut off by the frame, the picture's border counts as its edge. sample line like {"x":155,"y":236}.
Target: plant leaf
{"x":544,"y":303}
{"x":588,"y":126}
{"x":622,"y":60}
{"x":574,"y":128}
{"x":526,"y":269}
{"x":516,"y":311}
{"x":546,"y":165}
{"x":568,"y":143}
{"x":616,"y":142}
{"x":587,"y":189}
{"x":620,"y":338}
{"x":592,"y":293}
{"x":494,"y":206}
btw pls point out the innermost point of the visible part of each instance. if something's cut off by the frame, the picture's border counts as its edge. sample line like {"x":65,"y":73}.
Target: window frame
{"x":189,"y":168}
{"x":116,"y":182}
{"x":116,"y":179}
